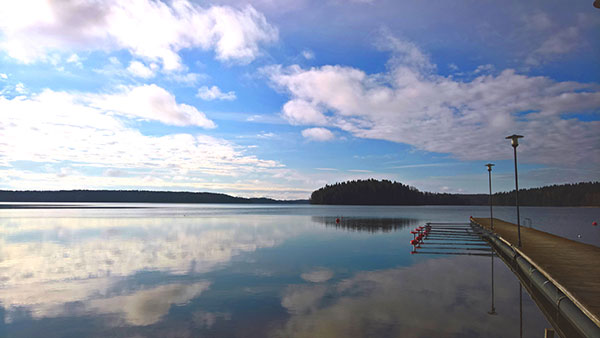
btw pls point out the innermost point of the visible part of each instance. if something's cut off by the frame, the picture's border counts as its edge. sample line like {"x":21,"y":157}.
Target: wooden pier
{"x":573,"y":267}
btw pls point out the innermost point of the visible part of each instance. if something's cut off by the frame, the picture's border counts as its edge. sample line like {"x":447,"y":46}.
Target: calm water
{"x":257,"y":271}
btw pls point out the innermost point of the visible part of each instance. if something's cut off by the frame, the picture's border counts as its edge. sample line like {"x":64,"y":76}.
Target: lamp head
{"x":514,"y":139}
{"x":489,"y":166}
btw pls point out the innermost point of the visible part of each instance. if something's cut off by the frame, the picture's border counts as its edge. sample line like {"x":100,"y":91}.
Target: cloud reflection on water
{"x":317,"y":275}
{"x":46,"y":277}
{"x":146,"y":307}
{"x":447,"y":297}
{"x":122,"y":272}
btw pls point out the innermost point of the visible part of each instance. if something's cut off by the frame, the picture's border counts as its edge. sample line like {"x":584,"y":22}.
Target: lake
{"x":160,"y":270}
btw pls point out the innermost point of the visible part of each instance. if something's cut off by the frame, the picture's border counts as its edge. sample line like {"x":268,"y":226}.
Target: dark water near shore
{"x":257,"y":271}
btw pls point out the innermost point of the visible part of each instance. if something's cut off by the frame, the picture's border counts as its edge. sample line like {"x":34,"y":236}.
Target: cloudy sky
{"x":277,"y":98}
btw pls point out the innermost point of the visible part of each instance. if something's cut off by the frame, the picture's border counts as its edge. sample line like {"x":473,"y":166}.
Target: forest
{"x":131,"y":196}
{"x":375,"y":192}
{"x":359,"y":192}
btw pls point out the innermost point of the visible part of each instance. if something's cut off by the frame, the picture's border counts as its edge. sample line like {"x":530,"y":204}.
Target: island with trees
{"x":385,"y":192}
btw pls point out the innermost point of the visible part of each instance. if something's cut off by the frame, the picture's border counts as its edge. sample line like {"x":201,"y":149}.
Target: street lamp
{"x":514,"y":141}
{"x":489,"y":166}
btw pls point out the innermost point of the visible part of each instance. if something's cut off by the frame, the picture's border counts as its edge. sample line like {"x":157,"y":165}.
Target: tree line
{"x":564,"y":195}
{"x":130,"y":196}
{"x":385,"y":192}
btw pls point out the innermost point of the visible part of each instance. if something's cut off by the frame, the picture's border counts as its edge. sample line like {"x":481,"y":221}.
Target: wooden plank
{"x":572,"y":266}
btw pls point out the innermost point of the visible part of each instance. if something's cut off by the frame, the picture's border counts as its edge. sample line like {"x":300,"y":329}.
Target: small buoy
{"x":413,"y":241}
{"x":337,"y":220}
{"x":578,"y":235}
{"x":594,"y":223}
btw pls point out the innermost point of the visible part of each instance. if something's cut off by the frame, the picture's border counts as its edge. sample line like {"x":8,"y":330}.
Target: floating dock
{"x":566,"y":272}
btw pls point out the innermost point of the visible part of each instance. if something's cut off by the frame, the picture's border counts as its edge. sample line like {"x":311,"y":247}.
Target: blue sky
{"x":278,"y":98}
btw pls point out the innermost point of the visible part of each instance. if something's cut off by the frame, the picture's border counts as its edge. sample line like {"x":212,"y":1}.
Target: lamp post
{"x":514,"y":141}
{"x":489,"y":166}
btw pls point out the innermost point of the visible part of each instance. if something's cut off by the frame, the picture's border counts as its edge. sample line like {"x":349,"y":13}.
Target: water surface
{"x":256,"y":271}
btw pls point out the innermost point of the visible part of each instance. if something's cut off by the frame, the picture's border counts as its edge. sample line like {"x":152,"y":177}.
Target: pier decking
{"x":572,"y":266}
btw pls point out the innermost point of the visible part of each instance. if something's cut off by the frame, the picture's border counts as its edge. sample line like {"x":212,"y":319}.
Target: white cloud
{"x":405,"y":53}
{"x":189,"y":79}
{"x":64,"y":172}
{"x":153,"y":103}
{"x":238,"y":178}
{"x":93,"y":133}
{"x":302,"y":112}
{"x":423,"y":165}
{"x":547,"y":36}
{"x":3,"y":76}
{"x":116,"y":70}
{"x":75,"y":59}
{"x":561,"y":43}
{"x":483,"y":69}
{"x":34,"y":28}
{"x":318,"y":134}
{"x":214,"y":93}
{"x":410,"y":104}
{"x":114,"y":173}
{"x":308,"y":54}
{"x":265,"y":135}
{"x":453,"y":67}
{"x":539,"y":21}
{"x":113,"y":60}
{"x":140,"y":70}
{"x":20,"y":88}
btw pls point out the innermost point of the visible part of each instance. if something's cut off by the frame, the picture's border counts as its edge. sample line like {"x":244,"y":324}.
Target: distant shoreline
{"x":131,"y":196}
{"x":63,"y":206}
{"x":90,"y":205}
{"x":362,"y":192}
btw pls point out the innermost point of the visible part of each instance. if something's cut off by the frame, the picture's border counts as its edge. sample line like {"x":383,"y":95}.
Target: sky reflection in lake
{"x":157,"y":273}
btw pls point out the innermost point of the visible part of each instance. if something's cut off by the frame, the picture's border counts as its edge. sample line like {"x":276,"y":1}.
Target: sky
{"x":278,"y":98}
